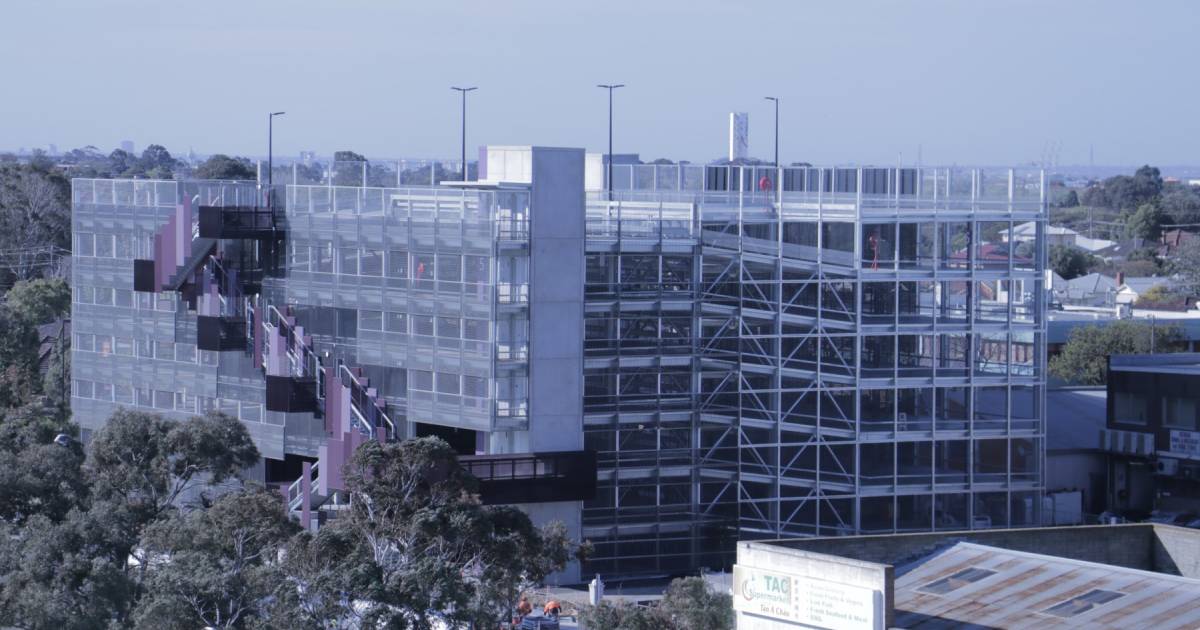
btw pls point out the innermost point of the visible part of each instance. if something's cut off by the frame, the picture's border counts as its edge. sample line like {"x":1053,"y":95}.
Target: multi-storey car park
{"x":700,"y":354}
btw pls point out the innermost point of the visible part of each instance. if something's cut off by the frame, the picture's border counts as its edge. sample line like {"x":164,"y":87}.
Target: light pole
{"x":271,"y":154}
{"x":464,"y":126}
{"x":776,"y":101}
{"x":610,"y":89}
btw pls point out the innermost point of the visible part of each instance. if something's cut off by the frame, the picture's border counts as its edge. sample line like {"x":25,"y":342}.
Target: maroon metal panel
{"x":333,"y":404}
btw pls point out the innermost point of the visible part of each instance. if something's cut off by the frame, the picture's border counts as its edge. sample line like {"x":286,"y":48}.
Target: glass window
{"x":123,"y":298}
{"x":396,"y":322}
{"x":1179,"y":413}
{"x":423,"y":266}
{"x":124,"y":346}
{"x":476,"y":329}
{"x":300,"y":256}
{"x":144,"y":397}
{"x":104,"y":246}
{"x":348,"y":261}
{"x":422,"y":325}
{"x":85,"y":342}
{"x":475,"y":269}
{"x":1129,"y":408}
{"x":104,"y":296}
{"x":83,"y":389}
{"x":164,"y":350}
{"x":322,"y":257}
{"x":227,"y":407}
{"x":371,"y":262}
{"x":251,"y":412}
{"x":474,"y":386}
{"x":85,"y":244}
{"x":449,"y":267}
{"x":184,"y":402}
{"x":123,"y":394}
{"x":164,"y":399}
{"x":85,"y":295}
{"x":185,"y":352}
{"x":123,"y":246}
{"x":449,"y":327}
{"x":447,"y":383}
{"x":397,"y":264}
{"x":370,"y":320}
{"x":422,"y":380}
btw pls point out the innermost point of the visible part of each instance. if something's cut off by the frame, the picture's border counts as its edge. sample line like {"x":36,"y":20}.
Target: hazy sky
{"x":968,"y":81}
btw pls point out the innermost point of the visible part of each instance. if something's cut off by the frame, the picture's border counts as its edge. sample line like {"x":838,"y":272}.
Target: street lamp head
{"x":278,"y":113}
{"x":771,"y":98}
{"x":611,"y":87}
{"x":462,"y":89}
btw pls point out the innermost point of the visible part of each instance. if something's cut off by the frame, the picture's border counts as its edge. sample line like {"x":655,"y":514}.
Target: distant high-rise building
{"x":52,"y":149}
{"x":127,"y":146}
{"x":739,"y":135}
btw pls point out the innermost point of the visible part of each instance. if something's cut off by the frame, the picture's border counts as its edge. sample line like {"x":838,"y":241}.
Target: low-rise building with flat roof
{"x":1117,"y":576}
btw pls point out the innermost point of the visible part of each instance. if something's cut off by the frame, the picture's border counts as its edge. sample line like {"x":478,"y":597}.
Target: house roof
{"x":1029,"y":228}
{"x":1092,"y":283}
{"x":977,"y":586}
{"x":1092,"y":244}
{"x":991,"y":587}
{"x":1141,"y":285}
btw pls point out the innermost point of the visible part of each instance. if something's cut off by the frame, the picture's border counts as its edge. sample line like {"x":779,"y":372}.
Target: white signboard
{"x":1186,"y":442}
{"x":806,"y":601}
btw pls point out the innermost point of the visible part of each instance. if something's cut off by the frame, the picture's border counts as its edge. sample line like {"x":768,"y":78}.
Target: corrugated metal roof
{"x":1026,"y":585}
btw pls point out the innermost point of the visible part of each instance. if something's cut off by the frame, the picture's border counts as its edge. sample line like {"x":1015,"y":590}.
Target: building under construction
{"x":667,"y":362}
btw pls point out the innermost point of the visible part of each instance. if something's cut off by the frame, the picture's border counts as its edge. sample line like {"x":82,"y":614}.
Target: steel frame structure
{"x":810,"y":412}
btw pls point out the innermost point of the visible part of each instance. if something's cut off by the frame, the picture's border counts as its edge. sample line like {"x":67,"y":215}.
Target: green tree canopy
{"x":220,"y":565}
{"x":147,"y":462}
{"x":1186,"y":264}
{"x":1147,"y":222}
{"x":65,"y":560}
{"x":1070,"y":262}
{"x":1125,"y":192}
{"x":39,"y":301}
{"x":1084,"y":358}
{"x":221,"y":166}
{"x":156,"y":162}
{"x":38,"y":476}
{"x":1182,"y":203}
{"x":417,"y":545}
{"x":20,"y":381}
{"x":688,"y":604}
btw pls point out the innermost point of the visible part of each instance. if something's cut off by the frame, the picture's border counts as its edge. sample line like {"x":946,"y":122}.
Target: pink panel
{"x":306,"y":495}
